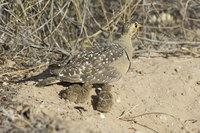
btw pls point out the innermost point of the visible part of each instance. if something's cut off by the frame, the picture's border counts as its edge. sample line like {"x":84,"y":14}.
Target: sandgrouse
{"x":103,"y":101}
{"x":102,"y":64}
{"x":76,"y":93}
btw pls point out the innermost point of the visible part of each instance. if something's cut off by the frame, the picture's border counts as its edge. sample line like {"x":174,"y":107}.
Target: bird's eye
{"x":136,"y":26}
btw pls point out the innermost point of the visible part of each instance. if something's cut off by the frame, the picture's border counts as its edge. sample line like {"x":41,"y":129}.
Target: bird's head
{"x":130,"y":28}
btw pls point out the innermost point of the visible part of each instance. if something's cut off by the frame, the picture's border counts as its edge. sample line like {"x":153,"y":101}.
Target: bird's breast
{"x":122,"y":64}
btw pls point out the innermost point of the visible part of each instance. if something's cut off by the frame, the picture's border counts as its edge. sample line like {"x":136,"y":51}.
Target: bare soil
{"x":157,"y":95}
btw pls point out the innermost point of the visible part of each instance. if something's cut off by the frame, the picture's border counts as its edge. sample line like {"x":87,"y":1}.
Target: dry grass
{"x":29,"y":27}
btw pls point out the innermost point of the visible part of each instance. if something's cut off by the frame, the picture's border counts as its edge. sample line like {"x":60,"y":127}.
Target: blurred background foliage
{"x":36,"y":31}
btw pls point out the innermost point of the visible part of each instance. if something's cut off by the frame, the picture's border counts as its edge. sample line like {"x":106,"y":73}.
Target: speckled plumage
{"x":94,"y":65}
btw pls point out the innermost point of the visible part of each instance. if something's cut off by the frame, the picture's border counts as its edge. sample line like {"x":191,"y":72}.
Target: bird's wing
{"x":93,"y":65}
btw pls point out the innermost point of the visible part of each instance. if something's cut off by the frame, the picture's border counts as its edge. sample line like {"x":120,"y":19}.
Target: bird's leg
{"x":48,"y":81}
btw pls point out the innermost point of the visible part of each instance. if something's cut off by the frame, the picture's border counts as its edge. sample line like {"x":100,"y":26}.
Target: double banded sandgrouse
{"x":103,"y":101}
{"x":102,"y":64}
{"x":76,"y":93}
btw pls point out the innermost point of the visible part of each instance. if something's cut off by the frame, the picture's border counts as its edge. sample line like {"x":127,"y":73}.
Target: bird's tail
{"x":55,"y":68}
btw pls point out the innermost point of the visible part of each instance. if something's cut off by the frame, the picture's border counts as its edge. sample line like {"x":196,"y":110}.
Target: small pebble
{"x":118,"y":100}
{"x":102,"y":116}
{"x":163,"y":117}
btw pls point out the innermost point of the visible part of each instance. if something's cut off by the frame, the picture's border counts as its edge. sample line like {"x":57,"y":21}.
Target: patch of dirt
{"x":156,"y":95}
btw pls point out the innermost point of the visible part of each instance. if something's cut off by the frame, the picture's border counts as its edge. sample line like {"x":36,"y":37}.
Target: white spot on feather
{"x":83,"y":67}
{"x":100,"y":72}
{"x":60,"y":74}
{"x":80,"y":71}
{"x":74,"y":72}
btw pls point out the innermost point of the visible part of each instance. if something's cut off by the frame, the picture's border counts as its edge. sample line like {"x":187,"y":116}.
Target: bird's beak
{"x":139,"y":25}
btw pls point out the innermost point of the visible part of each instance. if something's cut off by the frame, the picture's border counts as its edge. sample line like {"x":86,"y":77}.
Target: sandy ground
{"x":157,"y":95}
